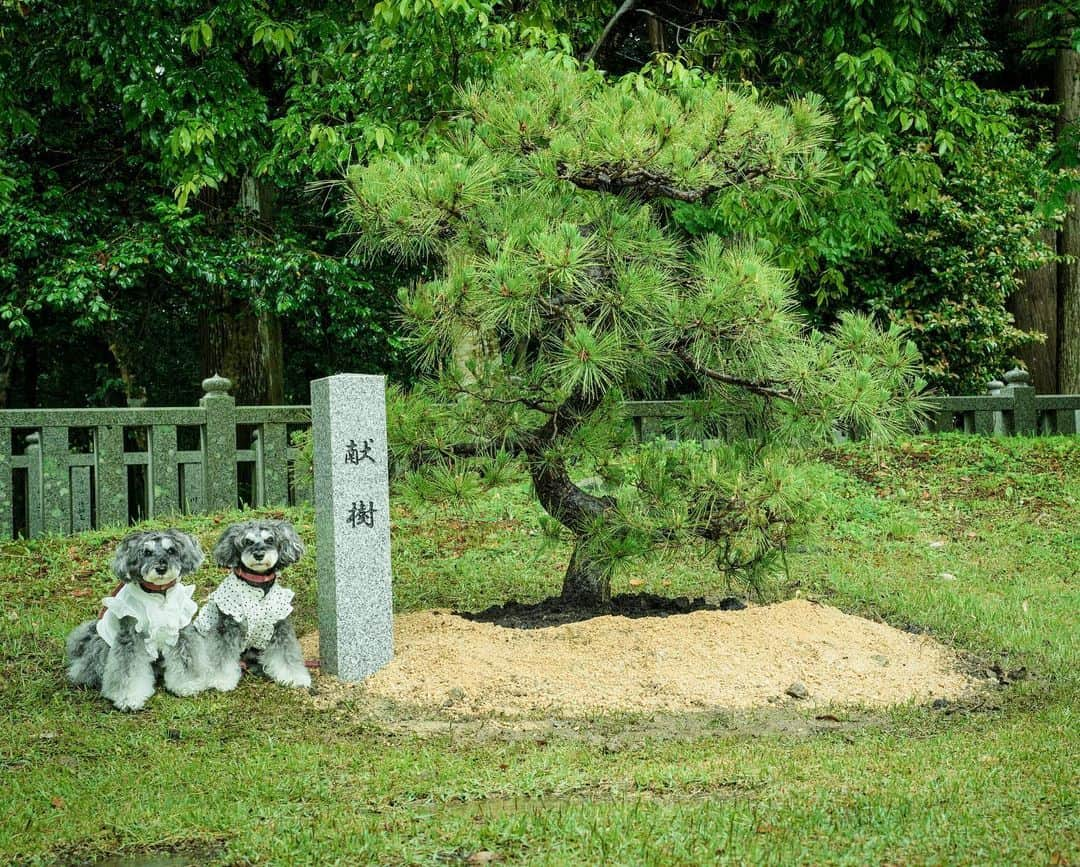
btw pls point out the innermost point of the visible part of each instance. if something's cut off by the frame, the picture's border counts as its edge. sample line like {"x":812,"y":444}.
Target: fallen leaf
{"x":58,"y":803}
{"x":636,"y":582}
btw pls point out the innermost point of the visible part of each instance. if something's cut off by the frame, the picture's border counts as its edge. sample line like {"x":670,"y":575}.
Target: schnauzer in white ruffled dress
{"x":145,"y":627}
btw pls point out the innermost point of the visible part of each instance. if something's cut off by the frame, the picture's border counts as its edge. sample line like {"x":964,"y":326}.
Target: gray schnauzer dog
{"x":145,"y":627}
{"x":246,"y":620}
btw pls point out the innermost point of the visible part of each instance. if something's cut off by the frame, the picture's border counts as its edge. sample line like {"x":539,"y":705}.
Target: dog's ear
{"x":228,"y":547}
{"x":191,"y":553}
{"x":290,"y":548}
{"x":125,"y":562}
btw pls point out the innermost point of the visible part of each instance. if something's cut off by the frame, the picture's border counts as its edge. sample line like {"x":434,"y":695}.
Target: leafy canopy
{"x":937,"y":165}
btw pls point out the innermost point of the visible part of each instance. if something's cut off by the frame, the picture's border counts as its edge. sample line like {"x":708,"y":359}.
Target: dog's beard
{"x":151,"y":576}
{"x":266,"y":564}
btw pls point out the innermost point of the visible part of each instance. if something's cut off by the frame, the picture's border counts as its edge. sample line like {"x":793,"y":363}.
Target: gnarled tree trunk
{"x":586,"y":583}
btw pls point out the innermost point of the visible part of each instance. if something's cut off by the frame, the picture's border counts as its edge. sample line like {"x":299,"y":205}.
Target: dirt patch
{"x":693,"y":662}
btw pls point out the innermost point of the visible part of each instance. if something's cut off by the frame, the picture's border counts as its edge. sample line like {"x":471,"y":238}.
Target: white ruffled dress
{"x":159,"y":616}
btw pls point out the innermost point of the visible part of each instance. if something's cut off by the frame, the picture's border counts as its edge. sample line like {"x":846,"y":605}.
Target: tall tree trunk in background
{"x":124,"y":352}
{"x":244,"y":347}
{"x":7,"y":364}
{"x":238,"y":342}
{"x":1067,"y":93}
{"x":656,"y":35}
{"x":1035,"y":309}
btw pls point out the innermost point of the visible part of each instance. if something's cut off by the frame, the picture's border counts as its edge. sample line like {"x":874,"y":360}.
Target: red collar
{"x":258,"y":578}
{"x":158,"y":588}
{"x":149,"y":588}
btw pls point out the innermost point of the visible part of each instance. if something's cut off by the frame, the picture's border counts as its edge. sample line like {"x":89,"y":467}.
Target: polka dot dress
{"x":257,"y":612}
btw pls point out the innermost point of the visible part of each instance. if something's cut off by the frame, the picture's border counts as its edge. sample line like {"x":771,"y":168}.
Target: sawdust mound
{"x":690,"y":662}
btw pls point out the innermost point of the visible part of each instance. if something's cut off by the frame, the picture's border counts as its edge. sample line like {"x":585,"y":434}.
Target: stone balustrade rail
{"x":63,"y":471}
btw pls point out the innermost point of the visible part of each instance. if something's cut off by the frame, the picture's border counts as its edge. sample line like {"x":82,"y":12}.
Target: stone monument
{"x":352,"y":524}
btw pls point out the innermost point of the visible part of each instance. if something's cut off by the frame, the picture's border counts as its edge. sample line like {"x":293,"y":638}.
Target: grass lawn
{"x":260,"y":776}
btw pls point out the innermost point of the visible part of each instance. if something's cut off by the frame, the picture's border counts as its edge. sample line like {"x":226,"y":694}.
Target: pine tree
{"x":542,"y":214}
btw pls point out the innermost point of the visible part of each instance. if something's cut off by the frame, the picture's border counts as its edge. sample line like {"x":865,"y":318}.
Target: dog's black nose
{"x":161,"y":569}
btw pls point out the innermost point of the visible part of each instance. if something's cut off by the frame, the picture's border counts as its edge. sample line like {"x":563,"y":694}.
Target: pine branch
{"x":766,"y":388}
{"x":619,"y":178}
{"x":627,"y":6}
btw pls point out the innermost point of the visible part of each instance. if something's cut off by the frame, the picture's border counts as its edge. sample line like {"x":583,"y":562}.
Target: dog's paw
{"x":131,"y":699}
{"x":227,"y":680}
{"x":294,"y":677}
{"x":184,"y":687}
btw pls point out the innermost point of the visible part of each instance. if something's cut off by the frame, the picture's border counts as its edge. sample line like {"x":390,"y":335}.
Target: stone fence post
{"x":34,"y":518}
{"x":218,"y":444}
{"x":1017,"y":386}
{"x":993,"y":388}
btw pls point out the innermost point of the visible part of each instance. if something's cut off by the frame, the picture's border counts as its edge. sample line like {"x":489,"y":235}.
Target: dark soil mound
{"x":556,"y":611}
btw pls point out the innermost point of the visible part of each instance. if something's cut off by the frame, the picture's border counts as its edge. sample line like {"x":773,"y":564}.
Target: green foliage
{"x":934,"y":166}
{"x":542,"y":217}
{"x":132,"y":134}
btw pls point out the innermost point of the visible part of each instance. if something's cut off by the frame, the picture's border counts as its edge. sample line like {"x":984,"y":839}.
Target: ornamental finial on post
{"x":216,"y":384}
{"x":1016,"y":376}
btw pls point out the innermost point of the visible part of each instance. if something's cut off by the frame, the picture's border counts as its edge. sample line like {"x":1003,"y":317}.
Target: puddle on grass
{"x":183,"y":855}
{"x":152,"y":859}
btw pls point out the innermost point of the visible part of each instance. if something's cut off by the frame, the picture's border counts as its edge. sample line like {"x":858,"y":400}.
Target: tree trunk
{"x":7,"y":364}
{"x":123,"y":354}
{"x":245,"y":347}
{"x":656,"y":35}
{"x":1067,"y":91}
{"x":1034,"y":308}
{"x":474,"y":352}
{"x":586,"y":582}
{"x":236,"y":341}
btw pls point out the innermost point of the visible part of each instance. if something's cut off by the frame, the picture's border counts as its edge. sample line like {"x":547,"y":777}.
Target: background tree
{"x":1050,"y":34}
{"x":544,"y":215}
{"x":156,"y":156}
{"x":945,"y":175}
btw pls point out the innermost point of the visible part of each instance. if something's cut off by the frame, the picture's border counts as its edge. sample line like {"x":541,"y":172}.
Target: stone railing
{"x":1008,"y":408}
{"x":67,"y":470}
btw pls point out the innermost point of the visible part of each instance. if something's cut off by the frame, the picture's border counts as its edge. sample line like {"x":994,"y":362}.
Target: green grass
{"x":261,"y":776}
